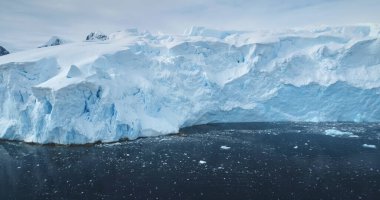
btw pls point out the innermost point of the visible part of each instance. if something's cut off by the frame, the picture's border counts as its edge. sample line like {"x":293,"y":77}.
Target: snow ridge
{"x":135,"y":84}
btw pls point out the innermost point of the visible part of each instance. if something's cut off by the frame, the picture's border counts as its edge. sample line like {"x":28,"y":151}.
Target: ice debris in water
{"x":338,"y":133}
{"x":202,"y":162}
{"x":370,"y":146}
{"x":225,"y":147}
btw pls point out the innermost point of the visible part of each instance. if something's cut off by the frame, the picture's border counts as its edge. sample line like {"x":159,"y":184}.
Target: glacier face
{"x":136,"y":84}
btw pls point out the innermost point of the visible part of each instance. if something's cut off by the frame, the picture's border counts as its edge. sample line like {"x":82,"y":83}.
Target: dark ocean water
{"x":217,"y":161}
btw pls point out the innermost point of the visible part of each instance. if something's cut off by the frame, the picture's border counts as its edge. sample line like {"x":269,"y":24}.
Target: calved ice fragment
{"x":338,"y":133}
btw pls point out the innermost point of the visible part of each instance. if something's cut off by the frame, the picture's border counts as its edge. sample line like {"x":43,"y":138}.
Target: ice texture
{"x":136,"y":84}
{"x":74,"y":71}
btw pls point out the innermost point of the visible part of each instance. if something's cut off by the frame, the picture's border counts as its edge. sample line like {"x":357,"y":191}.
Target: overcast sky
{"x":28,"y":23}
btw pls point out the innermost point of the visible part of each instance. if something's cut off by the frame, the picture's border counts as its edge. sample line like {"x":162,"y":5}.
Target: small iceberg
{"x":225,"y":147}
{"x":369,"y":146}
{"x":338,"y":133}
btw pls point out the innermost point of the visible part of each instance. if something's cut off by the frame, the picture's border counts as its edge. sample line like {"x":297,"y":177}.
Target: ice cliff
{"x":136,"y":84}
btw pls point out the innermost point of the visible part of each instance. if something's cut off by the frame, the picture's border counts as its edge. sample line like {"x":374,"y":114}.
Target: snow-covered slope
{"x":137,"y":84}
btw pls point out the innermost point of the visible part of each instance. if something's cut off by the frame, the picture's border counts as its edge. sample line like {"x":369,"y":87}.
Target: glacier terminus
{"x":132,"y":84}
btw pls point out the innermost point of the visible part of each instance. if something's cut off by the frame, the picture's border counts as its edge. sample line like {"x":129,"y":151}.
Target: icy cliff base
{"x":138,"y":84}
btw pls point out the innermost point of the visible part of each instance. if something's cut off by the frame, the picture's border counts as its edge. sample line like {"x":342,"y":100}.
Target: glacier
{"x":132,"y":84}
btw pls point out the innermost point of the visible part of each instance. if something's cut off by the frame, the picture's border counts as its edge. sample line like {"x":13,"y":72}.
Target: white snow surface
{"x":138,"y":84}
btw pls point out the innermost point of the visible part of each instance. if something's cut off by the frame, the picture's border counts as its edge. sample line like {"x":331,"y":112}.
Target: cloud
{"x":26,"y":24}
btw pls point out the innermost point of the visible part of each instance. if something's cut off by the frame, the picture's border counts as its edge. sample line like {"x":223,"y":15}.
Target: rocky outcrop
{"x":54,"y":41}
{"x":96,"y":36}
{"x":3,"y":51}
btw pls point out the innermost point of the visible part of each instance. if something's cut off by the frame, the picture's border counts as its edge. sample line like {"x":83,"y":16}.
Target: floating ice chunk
{"x":370,"y":146}
{"x":110,"y":144}
{"x":338,"y":133}
{"x":295,"y":147}
{"x":73,"y":72}
{"x":202,"y":162}
{"x":225,"y":147}
{"x":164,"y":139}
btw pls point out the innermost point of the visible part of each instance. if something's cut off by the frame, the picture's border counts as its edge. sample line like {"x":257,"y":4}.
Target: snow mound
{"x":137,"y":84}
{"x":53,"y":41}
{"x":3,"y":51}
